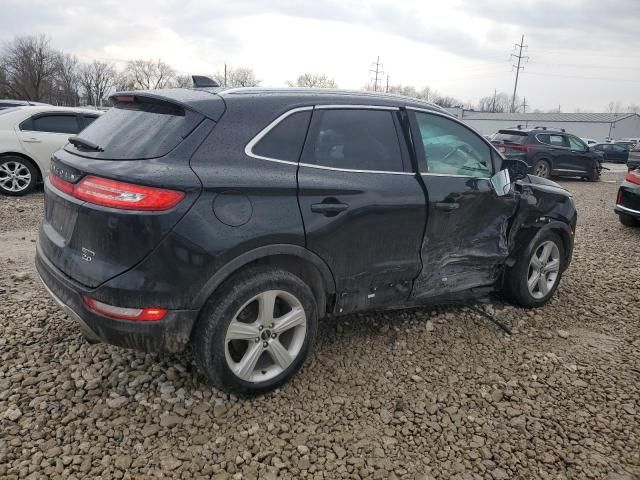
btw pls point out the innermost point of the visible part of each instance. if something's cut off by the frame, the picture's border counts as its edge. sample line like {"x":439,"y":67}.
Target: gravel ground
{"x":419,"y":394}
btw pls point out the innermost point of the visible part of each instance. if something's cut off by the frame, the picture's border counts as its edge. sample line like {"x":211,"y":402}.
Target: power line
{"x":520,"y":57}
{"x":378,"y":72}
{"x":585,"y":78}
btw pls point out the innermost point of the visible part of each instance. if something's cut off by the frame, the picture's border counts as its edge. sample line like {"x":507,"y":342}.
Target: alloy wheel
{"x":14,"y":176}
{"x":542,"y":170}
{"x":265,"y":336}
{"x":544,"y":269}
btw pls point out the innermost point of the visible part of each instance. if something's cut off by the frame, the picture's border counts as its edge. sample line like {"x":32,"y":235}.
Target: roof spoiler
{"x":200,"y":81}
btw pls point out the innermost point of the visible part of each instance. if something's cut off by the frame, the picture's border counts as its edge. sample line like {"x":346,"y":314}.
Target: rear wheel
{"x":534,"y":278}
{"x":256,"y":333}
{"x":542,"y":168}
{"x":628,"y":220}
{"x":18,"y":176}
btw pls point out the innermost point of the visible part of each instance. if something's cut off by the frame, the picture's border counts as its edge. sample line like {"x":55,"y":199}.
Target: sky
{"x":583,"y":54}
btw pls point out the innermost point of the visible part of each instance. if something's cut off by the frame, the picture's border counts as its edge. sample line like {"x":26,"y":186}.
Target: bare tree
{"x":313,"y":80}
{"x":615,"y":107}
{"x":237,"y":77}
{"x":633,"y":108}
{"x":67,"y":81}
{"x":446,"y":101}
{"x":425,"y":93}
{"x":97,"y":79}
{"x":150,"y":74}
{"x":182,"y":81}
{"x":498,"y":102}
{"x":29,"y":67}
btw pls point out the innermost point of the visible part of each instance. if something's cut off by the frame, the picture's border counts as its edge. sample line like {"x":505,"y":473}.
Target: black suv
{"x":233,"y":220}
{"x":549,"y":152}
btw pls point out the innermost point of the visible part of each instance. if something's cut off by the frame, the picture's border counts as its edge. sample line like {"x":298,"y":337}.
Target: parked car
{"x":28,"y":138}
{"x":19,"y":103}
{"x":628,"y":201}
{"x":234,"y":220}
{"x":633,"y":161}
{"x":612,"y":152}
{"x":589,"y":141}
{"x":549,"y":152}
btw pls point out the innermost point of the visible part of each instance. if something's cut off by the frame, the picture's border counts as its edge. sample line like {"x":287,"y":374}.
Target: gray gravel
{"x":419,"y":394}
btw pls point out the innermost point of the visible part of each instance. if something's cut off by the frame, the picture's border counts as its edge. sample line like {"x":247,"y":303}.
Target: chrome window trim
{"x":453,"y":175}
{"x":627,"y":209}
{"x":356,"y":107}
{"x":248,"y":149}
{"x":352,"y":170}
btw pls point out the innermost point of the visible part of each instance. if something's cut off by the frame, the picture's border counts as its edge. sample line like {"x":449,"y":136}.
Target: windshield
{"x":140,"y":129}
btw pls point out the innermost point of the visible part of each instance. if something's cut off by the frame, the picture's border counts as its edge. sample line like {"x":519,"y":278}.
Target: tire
{"x":628,"y":220}
{"x":249,"y":363}
{"x":516,"y":285}
{"x":18,"y":176}
{"x":595,"y":174}
{"x":542,"y":168}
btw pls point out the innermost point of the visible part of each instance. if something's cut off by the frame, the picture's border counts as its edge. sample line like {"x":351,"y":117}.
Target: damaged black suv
{"x":234,"y":220}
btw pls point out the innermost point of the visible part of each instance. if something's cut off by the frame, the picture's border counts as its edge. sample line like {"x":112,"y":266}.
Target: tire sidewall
{"x":32,"y":170}
{"x":518,"y":276}
{"x":212,"y":327}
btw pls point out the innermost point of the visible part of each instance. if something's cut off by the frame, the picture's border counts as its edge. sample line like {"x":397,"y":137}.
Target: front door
{"x":581,"y":159}
{"x":465,"y":243}
{"x":364,"y":211}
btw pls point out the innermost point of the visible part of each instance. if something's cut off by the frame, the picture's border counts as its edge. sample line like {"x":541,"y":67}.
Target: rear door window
{"x":557,"y":141}
{"x":139,"y":129}
{"x":285,"y":140}
{"x":88,"y":119}
{"x":354,"y":139}
{"x":52,"y":124}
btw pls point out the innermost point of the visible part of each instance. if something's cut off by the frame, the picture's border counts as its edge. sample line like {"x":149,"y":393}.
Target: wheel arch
{"x":293,"y":258}
{"x":27,"y":158}
{"x":528,"y":235}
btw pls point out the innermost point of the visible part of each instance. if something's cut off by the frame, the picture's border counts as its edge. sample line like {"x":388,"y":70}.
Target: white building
{"x":598,"y":126}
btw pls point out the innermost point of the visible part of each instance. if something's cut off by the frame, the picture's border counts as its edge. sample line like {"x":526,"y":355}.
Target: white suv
{"x":28,"y":138}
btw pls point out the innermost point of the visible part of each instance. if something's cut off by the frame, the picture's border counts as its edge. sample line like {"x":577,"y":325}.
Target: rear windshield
{"x":509,"y":137}
{"x":141,"y":129}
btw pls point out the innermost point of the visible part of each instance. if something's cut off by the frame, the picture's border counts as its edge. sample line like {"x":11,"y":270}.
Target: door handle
{"x":31,"y":140}
{"x":446,"y":206}
{"x":329,"y":209}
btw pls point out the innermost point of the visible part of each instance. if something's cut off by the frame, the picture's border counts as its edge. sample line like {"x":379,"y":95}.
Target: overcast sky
{"x":583,"y":53}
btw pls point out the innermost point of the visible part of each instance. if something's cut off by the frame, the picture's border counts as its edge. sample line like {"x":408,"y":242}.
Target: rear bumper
{"x":622,"y":210}
{"x":171,"y":334}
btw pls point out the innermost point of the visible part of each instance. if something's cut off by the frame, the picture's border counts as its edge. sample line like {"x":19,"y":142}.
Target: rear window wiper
{"x":84,"y":144}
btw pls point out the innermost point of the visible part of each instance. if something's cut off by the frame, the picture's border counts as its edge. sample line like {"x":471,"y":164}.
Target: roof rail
{"x":539,"y":128}
{"x":519,"y":127}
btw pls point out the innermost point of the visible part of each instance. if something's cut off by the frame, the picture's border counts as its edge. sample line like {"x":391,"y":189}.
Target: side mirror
{"x":501,"y":183}
{"x":518,"y":169}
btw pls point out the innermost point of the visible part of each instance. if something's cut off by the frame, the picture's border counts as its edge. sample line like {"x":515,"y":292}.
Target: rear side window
{"x":353,"y":139}
{"x":509,"y":137}
{"x":285,"y":140}
{"x":88,"y":119}
{"x":551,"y":139}
{"x":141,"y":129}
{"x":52,"y":124}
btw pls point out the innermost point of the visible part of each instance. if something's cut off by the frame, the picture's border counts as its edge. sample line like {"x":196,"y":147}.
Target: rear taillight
{"x":520,"y":148}
{"x":151,"y":314}
{"x":115,"y":194}
{"x":633,"y":176}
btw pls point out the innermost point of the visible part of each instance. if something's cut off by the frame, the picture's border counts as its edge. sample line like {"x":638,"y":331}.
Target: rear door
{"x":44,"y":133}
{"x":364,"y":211}
{"x":465,"y":242}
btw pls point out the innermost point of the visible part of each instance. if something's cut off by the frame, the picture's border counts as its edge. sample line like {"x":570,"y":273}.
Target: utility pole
{"x":524,"y":105}
{"x":225,"y":74}
{"x":493,"y":107}
{"x":387,"y":89}
{"x":377,"y":72}
{"x":520,"y":57}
